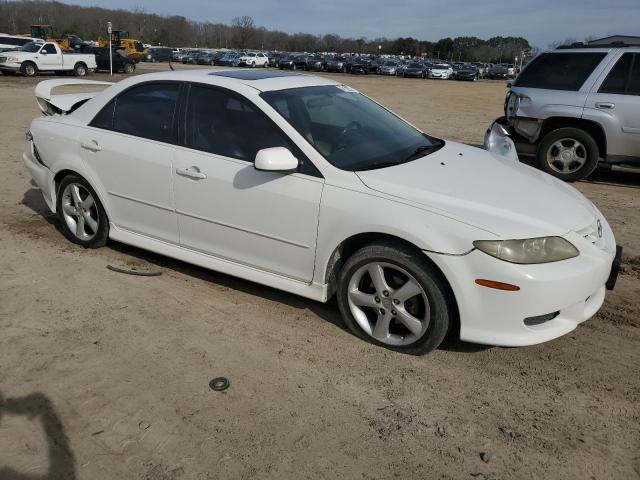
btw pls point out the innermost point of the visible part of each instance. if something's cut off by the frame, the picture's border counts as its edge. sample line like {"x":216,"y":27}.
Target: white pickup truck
{"x":40,"y":56}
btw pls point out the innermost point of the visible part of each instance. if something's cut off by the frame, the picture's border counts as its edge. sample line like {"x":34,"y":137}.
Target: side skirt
{"x":314,"y":291}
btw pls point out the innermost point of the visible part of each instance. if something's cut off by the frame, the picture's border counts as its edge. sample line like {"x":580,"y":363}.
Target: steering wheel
{"x":350,"y":127}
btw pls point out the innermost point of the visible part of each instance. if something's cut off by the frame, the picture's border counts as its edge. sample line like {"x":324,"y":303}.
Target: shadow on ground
{"x":62,"y":465}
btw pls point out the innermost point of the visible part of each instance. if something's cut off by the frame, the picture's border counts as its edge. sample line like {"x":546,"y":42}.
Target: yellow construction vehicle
{"x":120,"y":40}
{"x":66,"y":42}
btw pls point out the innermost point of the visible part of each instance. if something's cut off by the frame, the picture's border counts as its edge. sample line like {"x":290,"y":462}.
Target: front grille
{"x":3,"y":59}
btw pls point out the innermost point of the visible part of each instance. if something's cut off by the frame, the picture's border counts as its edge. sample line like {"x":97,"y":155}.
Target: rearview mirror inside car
{"x":275,"y":159}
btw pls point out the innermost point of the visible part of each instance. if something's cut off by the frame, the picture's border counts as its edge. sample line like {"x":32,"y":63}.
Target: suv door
{"x":128,"y":149}
{"x":227,"y":208}
{"x":614,"y":103}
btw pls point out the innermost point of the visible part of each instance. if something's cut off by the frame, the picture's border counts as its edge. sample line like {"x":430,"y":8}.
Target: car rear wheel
{"x":80,"y":69}
{"x":129,"y":68}
{"x":391,"y":296}
{"x":82,"y":217}
{"x":29,"y":69}
{"x":570,"y":154}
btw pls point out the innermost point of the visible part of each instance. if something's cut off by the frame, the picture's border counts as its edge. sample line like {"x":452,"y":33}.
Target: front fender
{"x":345,"y":213}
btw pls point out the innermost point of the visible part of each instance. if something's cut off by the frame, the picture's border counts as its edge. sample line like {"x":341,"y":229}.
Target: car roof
{"x":262,"y":80}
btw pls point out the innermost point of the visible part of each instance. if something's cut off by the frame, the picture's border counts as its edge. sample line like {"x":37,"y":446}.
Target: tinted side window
{"x":225,"y":124}
{"x":559,"y":71}
{"x":147,"y":111}
{"x":624,"y":77}
{"x":228,"y":125}
{"x":104,"y":119}
{"x":49,"y":48}
{"x":633,"y":87}
{"x":616,"y":81}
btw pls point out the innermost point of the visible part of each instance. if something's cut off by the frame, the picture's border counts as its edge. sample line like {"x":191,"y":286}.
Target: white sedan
{"x":440,"y":70}
{"x":306,"y":185}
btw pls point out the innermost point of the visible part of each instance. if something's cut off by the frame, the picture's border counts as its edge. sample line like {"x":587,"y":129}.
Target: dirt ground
{"x":105,"y":376}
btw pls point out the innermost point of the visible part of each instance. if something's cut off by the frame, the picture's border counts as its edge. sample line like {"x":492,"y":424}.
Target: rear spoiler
{"x":63,"y":104}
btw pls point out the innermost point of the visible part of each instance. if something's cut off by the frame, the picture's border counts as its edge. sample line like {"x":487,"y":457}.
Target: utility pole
{"x":109,"y":30}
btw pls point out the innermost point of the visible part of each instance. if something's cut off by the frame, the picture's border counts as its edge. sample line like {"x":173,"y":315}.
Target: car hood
{"x":500,"y":196}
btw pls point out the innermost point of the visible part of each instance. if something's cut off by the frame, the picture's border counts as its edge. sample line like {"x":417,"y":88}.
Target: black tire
{"x":80,"y":70}
{"x":432,"y":282}
{"x":29,"y":69}
{"x":591,"y":152}
{"x":129,"y":68}
{"x":101,"y":235}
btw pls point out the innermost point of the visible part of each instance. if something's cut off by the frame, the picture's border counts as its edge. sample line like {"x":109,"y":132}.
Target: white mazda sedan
{"x":305,"y":185}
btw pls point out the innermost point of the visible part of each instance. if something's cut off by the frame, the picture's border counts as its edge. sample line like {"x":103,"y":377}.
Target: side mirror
{"x":508,"y":84}
{"x":275,"y":159}
{"x":43,"y":52}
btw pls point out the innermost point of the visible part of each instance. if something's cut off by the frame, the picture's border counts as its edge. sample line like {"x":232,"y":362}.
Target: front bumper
{"x":566,"y":292}
{"x":10,"y":67}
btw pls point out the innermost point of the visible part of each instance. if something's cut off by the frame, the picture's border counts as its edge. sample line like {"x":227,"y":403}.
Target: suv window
{"x":145,"y":111}
{"x":559,"y":71}
{"x":624,"y":77}
{"x":49,"y":48}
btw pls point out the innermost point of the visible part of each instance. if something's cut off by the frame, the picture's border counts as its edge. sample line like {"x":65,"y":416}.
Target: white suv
{"x":253,"y":59}
{"x":572,"y":107}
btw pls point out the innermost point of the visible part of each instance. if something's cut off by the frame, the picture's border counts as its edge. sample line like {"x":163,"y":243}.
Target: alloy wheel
{"x":80,"y":211}
{"x":566,"y":155}
{"x":388,"y":303}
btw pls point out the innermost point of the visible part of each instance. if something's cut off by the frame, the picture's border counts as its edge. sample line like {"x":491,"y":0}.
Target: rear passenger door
{"x":615,"y":103}
{"x":128,"y":148}
{"x":227,"y":208}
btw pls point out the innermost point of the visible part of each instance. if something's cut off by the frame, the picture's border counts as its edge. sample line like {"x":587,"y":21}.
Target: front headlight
{"x":528,"y":251}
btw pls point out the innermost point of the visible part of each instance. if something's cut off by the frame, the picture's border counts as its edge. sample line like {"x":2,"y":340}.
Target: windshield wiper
{"x":421,"y":151}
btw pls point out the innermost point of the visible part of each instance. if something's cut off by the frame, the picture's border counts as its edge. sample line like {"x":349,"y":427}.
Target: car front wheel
{"x":82,"y":217}
{"x":569,"y":154}
{"x":391,"y":295}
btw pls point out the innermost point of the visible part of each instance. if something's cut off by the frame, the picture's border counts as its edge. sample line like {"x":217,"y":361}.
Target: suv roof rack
{"x":617,"y":44}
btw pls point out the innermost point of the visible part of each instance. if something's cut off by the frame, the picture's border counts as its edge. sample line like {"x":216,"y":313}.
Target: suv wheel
{"x":129,"y":67}
{"x":570,"y":154}
{"x":391,"y":296}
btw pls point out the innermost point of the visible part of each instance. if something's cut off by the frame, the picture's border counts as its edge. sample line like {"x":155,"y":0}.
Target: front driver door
{"x":226,"y":208}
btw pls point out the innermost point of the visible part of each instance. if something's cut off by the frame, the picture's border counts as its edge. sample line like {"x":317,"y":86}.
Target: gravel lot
{"x":105,"y":376}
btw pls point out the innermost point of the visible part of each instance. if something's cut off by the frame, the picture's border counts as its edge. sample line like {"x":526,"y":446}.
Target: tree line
{"x":90,"y":23}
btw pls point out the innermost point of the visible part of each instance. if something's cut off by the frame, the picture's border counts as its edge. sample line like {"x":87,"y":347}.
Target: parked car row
{"x":355,"y":64}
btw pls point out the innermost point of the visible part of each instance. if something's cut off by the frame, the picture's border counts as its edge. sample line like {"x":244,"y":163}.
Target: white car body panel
{"x":282,"y":229}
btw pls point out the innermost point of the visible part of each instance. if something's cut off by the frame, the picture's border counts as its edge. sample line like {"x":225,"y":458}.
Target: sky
{"x":540,"y":21}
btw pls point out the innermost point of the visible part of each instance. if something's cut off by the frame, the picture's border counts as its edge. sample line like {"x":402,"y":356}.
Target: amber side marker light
{"x":497,"y":285}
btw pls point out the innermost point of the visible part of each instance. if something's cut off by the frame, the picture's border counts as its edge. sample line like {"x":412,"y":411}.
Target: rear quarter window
{"x":559,"y":71}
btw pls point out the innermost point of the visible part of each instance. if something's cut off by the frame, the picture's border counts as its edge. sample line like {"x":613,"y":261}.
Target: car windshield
{"x":415,"y":65}
{"x":31,"y":47}
{"x":390,"y":64}
{"x":441,"y":66}
{"x":348,"y":129}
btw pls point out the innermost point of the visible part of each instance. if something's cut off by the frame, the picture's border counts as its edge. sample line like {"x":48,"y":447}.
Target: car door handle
{"x":191,"y":172}
{"x":92,"y":146}
{"x":605,"y":105}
